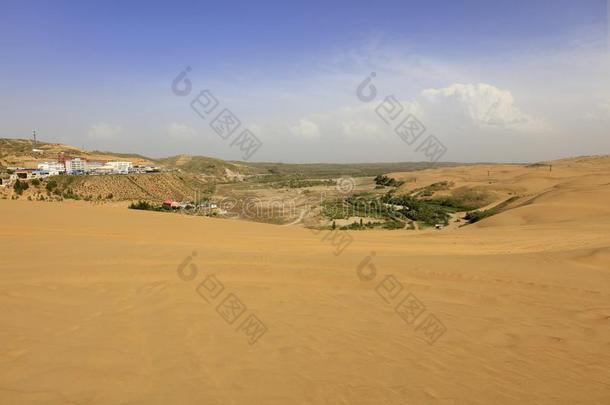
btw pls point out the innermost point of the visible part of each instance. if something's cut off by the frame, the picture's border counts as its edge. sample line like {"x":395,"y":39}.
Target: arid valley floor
{"x":94,"y":310}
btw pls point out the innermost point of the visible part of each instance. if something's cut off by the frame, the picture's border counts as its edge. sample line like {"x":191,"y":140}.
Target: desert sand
{"x":94,"y":310}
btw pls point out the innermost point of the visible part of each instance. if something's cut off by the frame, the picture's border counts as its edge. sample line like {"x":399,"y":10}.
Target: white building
{"x":120,"y":167}
{"x":76,"y":165}
{"x":93,"y":166}
{"x":54,"y":168}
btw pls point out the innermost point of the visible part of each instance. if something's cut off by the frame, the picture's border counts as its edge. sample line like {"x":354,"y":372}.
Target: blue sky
{"x":99,"y":75}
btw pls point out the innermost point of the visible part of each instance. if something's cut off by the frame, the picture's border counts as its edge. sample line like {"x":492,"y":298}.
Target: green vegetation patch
{"x":383,"y":180}
{"x":476,"y":216}
{"x":466,"y":199}
{"x":145,"y":205}
{"x":394,"y":211}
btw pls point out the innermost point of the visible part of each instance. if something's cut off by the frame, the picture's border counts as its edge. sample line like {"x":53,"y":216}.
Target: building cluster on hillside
{"x":79,"y":166}
{"x":76,"y":166}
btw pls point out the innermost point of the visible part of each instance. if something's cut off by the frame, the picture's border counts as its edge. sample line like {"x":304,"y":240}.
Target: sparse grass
{"x":157,"y":186}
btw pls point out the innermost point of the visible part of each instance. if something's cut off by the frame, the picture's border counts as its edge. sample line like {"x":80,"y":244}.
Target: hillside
{"x":151,"y":187}
{"x":154,"y":186}
{"x":207,"y":166}
{"x":18,"y":152}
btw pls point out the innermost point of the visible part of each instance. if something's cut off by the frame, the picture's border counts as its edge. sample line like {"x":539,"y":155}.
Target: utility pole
{"x":34,"y":135}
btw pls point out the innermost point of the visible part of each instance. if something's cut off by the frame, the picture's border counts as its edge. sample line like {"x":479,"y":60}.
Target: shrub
{"x":352,"y":226}
{"x":20,"y":187}
{"x":383,"y":180}
{"x":70,"y":194}
{"x":393,"y":225}
{"x":51,"y":185}
{"x":36,"y":182}
{"x":476,"y":216}
{"x":144,"y":205}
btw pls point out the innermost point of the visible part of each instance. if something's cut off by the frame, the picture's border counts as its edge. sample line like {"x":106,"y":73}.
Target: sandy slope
{"x":94,"y":311}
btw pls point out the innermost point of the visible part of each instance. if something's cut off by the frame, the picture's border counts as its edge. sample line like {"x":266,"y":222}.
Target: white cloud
{"x":306,"y":129}
{"x":180,"y":131}
{"x":359,"y":128}
{"x":477,"y":108}
{"x":358,"y":122}
{"x":600,"y":112}
{"x":104,"y":130}
{"x":490,"y":106}
{"x":483,"y":105}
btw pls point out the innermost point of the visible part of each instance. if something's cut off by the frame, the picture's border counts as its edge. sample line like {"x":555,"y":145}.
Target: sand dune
{"x":95,"y":311}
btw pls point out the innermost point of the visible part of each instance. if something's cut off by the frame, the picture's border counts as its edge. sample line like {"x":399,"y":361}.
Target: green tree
{"x":20,"y":186}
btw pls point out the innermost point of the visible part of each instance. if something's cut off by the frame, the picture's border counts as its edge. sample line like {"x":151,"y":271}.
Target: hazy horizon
{"x":158,"y":157}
